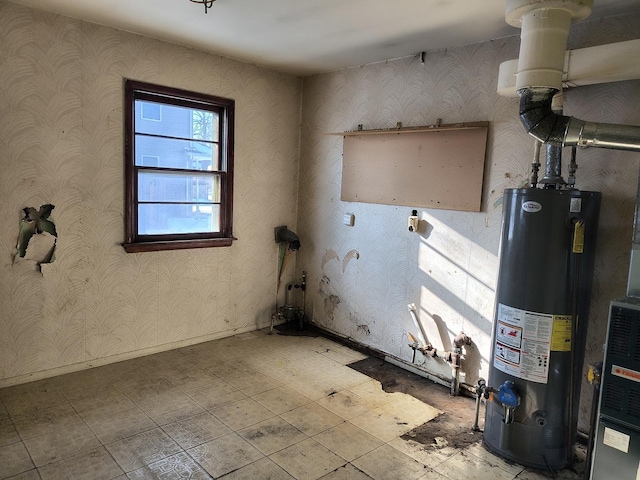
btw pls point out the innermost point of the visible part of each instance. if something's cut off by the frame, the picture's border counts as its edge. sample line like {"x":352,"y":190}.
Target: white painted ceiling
{"x":305,"y":37}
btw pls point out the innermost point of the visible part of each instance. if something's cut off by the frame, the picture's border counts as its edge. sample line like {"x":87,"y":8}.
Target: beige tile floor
{"x":252,"y":406}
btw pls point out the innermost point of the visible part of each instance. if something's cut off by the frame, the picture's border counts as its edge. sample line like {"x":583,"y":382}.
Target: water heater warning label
{"x":523,"y":343}
{"x":561,"y":337}
{"x":509,"y":335}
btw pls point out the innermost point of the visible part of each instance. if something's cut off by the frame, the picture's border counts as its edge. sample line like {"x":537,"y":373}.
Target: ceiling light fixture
{"x":207,"y":4}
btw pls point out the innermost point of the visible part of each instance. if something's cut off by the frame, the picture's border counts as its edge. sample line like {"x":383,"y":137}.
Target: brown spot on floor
{"x":454,"y":425}
{"x":452,"y":428}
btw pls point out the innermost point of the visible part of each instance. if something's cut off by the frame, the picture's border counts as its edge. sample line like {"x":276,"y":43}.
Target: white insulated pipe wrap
{"x":585,"y":66}
{"x":542,"y":48}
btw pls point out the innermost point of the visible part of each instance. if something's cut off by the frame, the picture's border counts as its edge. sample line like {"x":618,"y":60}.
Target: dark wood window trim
{"x":225,"y":108}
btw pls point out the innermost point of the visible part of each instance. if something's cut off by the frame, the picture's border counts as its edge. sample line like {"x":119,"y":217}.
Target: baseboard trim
{"x":98,"y":362}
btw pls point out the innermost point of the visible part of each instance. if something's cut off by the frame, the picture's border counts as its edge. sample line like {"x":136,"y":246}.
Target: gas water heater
{"x":546,"y":254}
{"x":540,"y":321}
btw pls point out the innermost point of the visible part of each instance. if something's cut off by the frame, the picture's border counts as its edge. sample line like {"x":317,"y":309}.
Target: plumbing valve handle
{"x":507,"y":395}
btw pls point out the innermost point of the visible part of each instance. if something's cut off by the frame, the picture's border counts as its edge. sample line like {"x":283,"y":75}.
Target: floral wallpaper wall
{"x":362,"y":277}
{"x":61,"y":142}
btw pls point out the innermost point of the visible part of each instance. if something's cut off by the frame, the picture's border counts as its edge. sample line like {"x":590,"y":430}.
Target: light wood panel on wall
{"x":433,"y":167}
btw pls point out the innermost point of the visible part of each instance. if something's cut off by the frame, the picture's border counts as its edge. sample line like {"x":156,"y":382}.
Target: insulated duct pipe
{"x":584,"y":66}
{"x":542,"y":123}
{"x":545,"y":29}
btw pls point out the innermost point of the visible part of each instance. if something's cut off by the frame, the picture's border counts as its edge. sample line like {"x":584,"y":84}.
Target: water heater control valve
{"x":507,"y":395}
{"x":509,"y":399}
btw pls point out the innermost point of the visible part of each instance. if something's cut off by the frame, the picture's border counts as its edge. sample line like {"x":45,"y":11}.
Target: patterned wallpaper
{"x":61,"y":142}
{"x":449,"y":270}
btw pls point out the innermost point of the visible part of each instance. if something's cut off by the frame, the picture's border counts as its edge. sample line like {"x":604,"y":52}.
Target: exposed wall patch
{"x":37,"y":236}
{"x":333,"y":255}
{"x":329,"y":255}
{"x":364,"y":328}
{"x":347,"y":258}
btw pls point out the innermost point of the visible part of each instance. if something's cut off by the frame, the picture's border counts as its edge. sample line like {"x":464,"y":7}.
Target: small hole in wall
{"x":37,"y":235}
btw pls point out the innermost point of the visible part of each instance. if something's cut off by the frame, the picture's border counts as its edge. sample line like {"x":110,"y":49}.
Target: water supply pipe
{"x":422,"y":332}
{"x":480,"y":387}
{"x":535,"y":165}
{"x":456,"y":352}
{"x":455,"y":360}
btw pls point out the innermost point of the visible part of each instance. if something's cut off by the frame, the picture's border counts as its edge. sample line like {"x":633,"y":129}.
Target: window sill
{"x":177,"y":244}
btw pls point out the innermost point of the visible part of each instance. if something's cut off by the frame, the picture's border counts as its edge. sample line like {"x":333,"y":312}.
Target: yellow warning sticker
{"x":561,"y":333}
{"x":578,"y":237}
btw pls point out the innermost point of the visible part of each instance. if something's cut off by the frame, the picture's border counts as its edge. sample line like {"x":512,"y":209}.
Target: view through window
{"x":179,"y":164}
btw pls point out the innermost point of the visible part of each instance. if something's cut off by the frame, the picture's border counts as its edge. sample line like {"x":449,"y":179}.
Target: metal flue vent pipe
{"x":545,"y":29}
{"x":603,"y":135}
{"x":541,"y":122}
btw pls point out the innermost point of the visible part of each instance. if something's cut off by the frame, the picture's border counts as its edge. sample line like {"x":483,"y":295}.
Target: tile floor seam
{"x":105,"y":443}
{"x":192,"y":458}
{"x":33,"y":465}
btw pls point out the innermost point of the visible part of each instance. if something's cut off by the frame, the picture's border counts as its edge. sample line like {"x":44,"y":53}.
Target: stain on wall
{"x":330,"y":304}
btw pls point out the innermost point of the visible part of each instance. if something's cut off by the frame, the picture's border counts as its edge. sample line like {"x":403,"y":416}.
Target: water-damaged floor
{"x":251,"y":406}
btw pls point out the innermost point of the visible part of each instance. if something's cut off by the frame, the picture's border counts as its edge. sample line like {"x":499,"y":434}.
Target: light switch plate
{"x":348,"y":219}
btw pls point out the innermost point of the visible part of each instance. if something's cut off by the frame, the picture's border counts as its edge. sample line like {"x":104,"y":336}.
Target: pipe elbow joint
{"x":428,"y":349}
{"x":539,"y":120}
{"x":461,"y":339}
{"x":547,"y":126}
{"x":284,"y":235}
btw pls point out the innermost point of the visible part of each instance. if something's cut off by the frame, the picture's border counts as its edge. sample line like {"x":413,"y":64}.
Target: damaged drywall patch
{"x":347,"y":258}
{"x":329,"y":255}
{"x":37,"y":236}
{"x":333,"y":255}
{"x":363,"y":328}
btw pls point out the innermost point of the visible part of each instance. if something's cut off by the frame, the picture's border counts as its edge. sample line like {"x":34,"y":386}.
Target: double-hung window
{"x":179,"y":168}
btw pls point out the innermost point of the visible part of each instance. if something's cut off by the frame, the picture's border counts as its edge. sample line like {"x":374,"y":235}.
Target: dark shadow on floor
{"x":293,"y":329}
